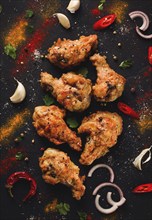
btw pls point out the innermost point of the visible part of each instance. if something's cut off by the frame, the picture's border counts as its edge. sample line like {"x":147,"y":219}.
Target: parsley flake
{"x":29,"y":13}
{"x":83,"y":71}
{"x":126,"y":64}
{"x":72,"y":122}
{"x":19,"y":156}
{"x":100,"y":6}
{"x":63,"y":208}
{"x":10,"y":51}
{"x":30,"y":29}
{"x":48,"y":100}
{"x":82,"y":215}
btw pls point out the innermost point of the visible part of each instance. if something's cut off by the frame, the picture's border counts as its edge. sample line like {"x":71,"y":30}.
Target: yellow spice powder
{"x":119,"y":9}
{"x":16,"y":34}
{"x":13,"y":123}
{"x":145,"y":123}
{"x":51,"y":207}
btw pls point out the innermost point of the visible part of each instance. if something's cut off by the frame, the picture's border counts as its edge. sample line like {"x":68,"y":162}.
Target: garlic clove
{"x":73,"y":6}
{"x":63,"y":20}
{"x":19,"y":94}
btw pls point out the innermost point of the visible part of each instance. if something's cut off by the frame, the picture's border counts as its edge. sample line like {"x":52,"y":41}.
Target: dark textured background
{"x":130,"y":143}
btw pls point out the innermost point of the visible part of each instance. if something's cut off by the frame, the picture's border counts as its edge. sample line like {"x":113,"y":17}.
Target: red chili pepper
{"x":150,"y":55}
{"x":127,"y":110}
{"x":13,"y":178}
{"x":104,"y":22}
{"x":144,"y":188}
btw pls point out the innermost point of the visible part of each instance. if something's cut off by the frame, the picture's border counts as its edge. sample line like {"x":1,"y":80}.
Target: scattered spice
{"x":51,"y":207}
{"x":119,"y":8}
{"x":150,"y":55}
{"x":13,"y":124}
{"x":126,"y":64}
{"x":63,"y":208}
{"x":16,"y":34}
{"x":48,"y":100}
{"x":10,"y":51}
{"x":145,"y":122}
{"x":95,"y":12}
{"x":33,"y":141}
{"x":15,"y":177}
{"x":133,"y":90}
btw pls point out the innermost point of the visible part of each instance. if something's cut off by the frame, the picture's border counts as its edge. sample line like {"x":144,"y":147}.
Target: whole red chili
{"x":150,"y":55}
{"x":15,"y":177}
{"x":127,"y":110}
{"x":104,"y":22}
{"x":144,"y":188}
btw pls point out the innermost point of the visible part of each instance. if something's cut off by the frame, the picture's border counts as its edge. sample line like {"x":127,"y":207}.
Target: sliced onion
{"x":143,"y":35}
{"x":102,"y":166}
{"x":142,"y":15}
{"x":114,"y":204}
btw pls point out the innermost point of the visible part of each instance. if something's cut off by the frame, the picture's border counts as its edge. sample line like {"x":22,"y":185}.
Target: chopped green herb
{"x":83,"y":71}
{"x":72,"y":122}
{"x":48,"y":100}
{"x":100,"y":6}
{"x":1,"y":8}
{"x":63,"y":208}
{"x":29,"y":13}
{"x":126,"y":64}
{"x":30,"y":29}
{"x":10,"y":51}
{"x":19,"y":156}
{"x":82,"y":215}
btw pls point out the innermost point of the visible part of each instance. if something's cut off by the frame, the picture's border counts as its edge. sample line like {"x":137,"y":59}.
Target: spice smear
{"x":119,"y":9}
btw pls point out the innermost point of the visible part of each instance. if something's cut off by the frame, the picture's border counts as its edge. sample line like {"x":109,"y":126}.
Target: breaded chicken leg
{"x":71,"y":90}
{"x":49,"y":123}
{"x":57,"y":167}
{"x":103,"y":129}
{"x":68,"y":53}
{"x":109,"y":85}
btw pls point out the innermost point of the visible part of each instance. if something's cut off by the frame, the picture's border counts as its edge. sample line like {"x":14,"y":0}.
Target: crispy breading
{"x":68,"y":53}
{"x":57,"y":168}
{"x":109,"y":85}
{"x":103,"y":129}
{"x":49,"y":123}
{"x":71,"y":90}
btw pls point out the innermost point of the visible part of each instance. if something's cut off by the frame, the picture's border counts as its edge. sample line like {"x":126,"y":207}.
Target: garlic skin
{"x":19,"y":94}
{"x":73,"y":6}
{"x":63,"y":20}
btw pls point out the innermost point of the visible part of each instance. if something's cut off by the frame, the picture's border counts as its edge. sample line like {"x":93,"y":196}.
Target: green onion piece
{"x":48,"y":100}
{"x":82,"y":215}
{"x":72,"y":122}
{"x":100,"y":7}
{"x":126,"y":64}
{"x":29,"y":13}
{"x":30,"y":29}
{"x":10,"y":51}
{"x":19,"y":156}
{"x":63,"y":208}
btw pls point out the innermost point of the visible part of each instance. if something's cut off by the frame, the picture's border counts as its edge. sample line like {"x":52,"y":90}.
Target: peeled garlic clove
{"x":73,"y":6}
{"x":19,"y":94}
{"x":63,"y":20}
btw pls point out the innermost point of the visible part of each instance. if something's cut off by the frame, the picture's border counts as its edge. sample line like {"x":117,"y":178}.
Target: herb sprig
{"x":100,"y":6}
{"x":72,"y":122}
{"x":29,"y":13}
{"x":126,"y":64}
{"x":63,"y":208}
{"x":82,"y":215}
{"x":10,"y":51}
{"x":48,"y":100}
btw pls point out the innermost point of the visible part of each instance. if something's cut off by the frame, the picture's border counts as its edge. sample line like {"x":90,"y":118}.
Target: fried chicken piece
{"x":68,"y":53}
{"x":109,"y":85}
{"x":71,"y":90}
{"x":103,"y":129}
{"x":49,"y":123}
{"x":57,"y":167}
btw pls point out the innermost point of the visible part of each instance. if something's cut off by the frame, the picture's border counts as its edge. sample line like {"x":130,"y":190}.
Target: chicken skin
{"x":71,"y":90}
{"x":68,"y":53}
{"x":49,"y":123}
{"x":57,"y":167}
{"x":103,"y":129}
{"x":109,"y":85}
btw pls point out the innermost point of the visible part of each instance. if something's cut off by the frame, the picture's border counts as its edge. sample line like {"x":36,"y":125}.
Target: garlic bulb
{"x":63,"y":20}
{"x":19,"y":94}
{"x":138,"y":160}
{"x":73,"y":6}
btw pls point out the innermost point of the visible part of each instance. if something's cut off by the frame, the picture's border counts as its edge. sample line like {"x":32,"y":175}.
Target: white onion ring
{"x":142,"y":15}
{"x":102,"y":166}
{"x":143,"y":35}
{"x":114,"y":204}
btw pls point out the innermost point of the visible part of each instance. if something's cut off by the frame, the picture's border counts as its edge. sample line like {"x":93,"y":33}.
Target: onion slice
{"x":142,"y":15}
{"x":102,"y":166}
{"x":143,"y":35}
{"x":114,"y":204}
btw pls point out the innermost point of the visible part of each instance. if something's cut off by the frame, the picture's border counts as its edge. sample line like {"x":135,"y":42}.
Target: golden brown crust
{"x":71,"y":90}
{"x":68,"y":53}
{"x":57,"y":167}
{"x":109,"y":85}
{"x":49,"y":123}
{"x":103,"y":129}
